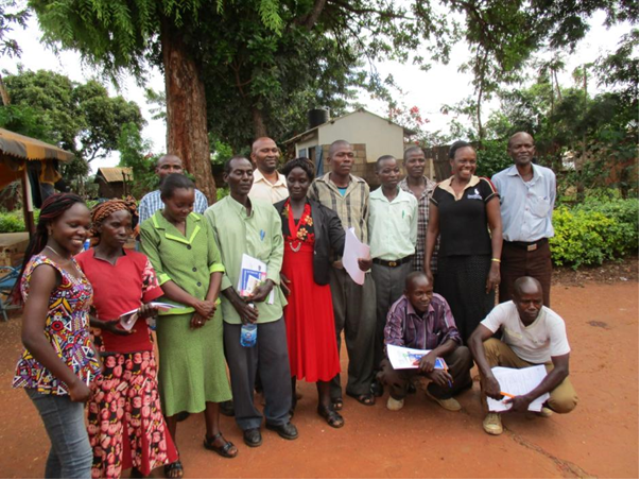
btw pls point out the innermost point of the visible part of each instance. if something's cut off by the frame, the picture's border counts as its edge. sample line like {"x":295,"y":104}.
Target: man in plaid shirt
{"x":422,"y":187}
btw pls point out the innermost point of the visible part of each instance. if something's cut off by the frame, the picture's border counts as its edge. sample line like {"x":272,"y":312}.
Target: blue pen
{"x":262,"y":235}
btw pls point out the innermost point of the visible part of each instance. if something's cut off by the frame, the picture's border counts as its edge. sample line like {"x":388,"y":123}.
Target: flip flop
{"x":333,"y":418}
{"x":366,"y":399}
{"x":174,"y":470}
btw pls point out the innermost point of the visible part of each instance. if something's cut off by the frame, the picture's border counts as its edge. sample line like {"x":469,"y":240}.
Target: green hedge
{"x":590,"y":233}
{"x":11,"y":222}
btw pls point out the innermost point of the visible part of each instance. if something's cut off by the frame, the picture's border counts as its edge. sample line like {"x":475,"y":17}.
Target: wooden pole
{"x":27,"y":201}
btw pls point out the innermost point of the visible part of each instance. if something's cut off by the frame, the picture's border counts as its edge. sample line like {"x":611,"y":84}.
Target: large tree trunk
{"x":187,"y":133}
{"x":259,"y":128}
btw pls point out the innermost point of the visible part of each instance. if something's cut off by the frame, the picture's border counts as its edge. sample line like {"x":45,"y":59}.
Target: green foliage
{"x":11,"y":14}
{"x":11,"y":222}
{"x":81,"y":118}
{"x":492,"y":158}
{"x":594,"y":232}
{"x":26,"y":121}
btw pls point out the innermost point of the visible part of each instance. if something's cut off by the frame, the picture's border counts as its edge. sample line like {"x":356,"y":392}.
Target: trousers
{"x":517,"y":262}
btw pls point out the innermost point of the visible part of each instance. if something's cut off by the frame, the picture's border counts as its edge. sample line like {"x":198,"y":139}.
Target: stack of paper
{"x":404,"y":358}
{"x":252,"y":273}
{"x":518,"y":381}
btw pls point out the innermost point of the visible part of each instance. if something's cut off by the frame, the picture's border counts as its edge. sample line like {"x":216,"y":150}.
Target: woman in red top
{"x":126,"y":425}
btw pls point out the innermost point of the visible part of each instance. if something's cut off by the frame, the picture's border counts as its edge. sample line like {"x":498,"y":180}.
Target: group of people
{"x":437,"y":254}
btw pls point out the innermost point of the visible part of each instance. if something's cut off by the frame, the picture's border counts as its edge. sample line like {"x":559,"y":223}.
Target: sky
{"x":429,"y":91}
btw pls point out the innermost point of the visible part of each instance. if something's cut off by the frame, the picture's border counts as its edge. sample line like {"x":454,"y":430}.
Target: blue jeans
{"x":70,"y":455}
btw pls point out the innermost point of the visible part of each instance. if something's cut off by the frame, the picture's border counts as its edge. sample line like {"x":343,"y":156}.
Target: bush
{"x":590,"y":233}
{"x":11,"y":222}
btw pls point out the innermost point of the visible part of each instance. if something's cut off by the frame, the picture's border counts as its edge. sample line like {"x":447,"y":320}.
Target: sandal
{"x":223,"y":451}
{"x":333,"y":418}
{"x":338,"y":403}
{"x":366,"y":398}
{"x":174,"y":470}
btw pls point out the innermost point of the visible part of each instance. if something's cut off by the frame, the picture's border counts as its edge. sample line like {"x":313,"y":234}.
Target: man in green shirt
{"x":252,"y":227}
{"x":393,"y":228}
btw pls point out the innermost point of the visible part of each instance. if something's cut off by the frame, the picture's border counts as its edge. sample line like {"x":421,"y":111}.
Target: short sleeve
{"x":487,"y":189}
{"x":558,"y":342}
{"x":437,"y":196}
{"x":495,"y":319}
{"x":150,"y":286}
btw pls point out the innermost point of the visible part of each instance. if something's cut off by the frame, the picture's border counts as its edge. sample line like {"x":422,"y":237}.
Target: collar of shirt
{"x":172,"y":233}
{"x":258,"y":177}
{"x":412,"y":311}
{"x":446,"y":185}
{"x":513,"y":172}
{"x":353,"y":181}
{"x":377,"y":194}
{"x":430,"y":186}
{"x":239,"y":208}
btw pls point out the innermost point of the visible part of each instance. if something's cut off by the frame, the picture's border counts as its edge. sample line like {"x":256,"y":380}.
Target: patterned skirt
{"x":126,"y":425}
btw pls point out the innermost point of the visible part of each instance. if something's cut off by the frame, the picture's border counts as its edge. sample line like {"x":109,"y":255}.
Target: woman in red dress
{"x":312,"y":234}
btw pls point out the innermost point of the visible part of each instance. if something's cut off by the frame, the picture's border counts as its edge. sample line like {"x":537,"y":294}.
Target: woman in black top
{"x":465,"y":212}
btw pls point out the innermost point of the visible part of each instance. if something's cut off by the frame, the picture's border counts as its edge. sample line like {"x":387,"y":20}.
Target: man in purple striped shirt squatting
{"x":422,"y":319}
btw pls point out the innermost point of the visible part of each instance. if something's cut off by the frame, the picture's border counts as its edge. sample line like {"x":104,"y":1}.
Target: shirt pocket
{"x":541,"y":206}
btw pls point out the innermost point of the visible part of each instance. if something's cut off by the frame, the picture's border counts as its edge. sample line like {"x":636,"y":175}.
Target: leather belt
{"x":392,"y":263}
{"x":529,"y":246}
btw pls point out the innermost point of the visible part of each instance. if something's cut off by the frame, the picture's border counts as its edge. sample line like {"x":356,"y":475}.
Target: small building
{"x":112,"y":181}
{"x":370,"y":135}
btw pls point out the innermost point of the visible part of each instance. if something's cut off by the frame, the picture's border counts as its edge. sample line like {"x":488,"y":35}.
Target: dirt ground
{"x":598,"y":439}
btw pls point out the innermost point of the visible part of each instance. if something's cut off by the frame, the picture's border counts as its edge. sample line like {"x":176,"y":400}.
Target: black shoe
{"x":182,"y":416}
{"x":252,"y":437}
{"x":226,"y":408}
{"x":287,"y":431}
{"x":377,"y":389}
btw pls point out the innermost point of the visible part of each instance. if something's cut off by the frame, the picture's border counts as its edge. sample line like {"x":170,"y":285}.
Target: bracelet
{"x":495,"y":260}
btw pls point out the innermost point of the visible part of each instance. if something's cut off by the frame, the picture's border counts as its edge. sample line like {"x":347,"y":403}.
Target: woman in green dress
{"x":180,"y":246}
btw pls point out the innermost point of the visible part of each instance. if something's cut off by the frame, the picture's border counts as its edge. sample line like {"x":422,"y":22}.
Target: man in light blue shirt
{"x":527,"y":195}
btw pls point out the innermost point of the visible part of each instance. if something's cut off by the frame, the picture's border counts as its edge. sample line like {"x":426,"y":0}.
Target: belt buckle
{"x":393,"y":264}
{"x":532,"y":248}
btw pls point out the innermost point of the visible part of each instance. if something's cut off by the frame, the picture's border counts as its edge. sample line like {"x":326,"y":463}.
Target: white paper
{"x":252,"y":273}
{"x":129,"y":319}
{"x":518,"y":381}
{"x":353,"y":250}
{"x":404,"y":358}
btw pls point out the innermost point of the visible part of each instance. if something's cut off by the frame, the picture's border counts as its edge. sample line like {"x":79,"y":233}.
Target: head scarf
{"x":101,"y":211}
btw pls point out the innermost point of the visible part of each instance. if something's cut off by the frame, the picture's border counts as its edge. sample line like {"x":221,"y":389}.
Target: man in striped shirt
{"x":151,"y":202}
{"x":422,"y":320}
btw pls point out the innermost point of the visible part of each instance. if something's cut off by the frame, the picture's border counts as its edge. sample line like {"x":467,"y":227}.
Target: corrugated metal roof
{"x":28,"y":148}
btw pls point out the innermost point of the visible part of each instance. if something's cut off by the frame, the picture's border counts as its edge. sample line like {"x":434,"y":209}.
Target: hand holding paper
{"x":517,"y":382}
{"x":354,"y":249}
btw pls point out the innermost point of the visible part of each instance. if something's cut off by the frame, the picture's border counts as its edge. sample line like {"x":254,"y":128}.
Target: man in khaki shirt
{"x":268,"y":184}
{"x":354,"y":306}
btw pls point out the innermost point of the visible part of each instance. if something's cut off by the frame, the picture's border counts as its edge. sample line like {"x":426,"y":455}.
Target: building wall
{"x":380,"y":136}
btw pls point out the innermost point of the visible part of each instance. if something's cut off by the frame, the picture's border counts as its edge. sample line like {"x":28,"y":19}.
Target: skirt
{"x":192,"y":364}
{"x":125,"y":424}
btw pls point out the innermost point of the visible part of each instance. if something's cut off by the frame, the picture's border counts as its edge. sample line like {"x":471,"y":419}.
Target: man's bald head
{"x":168,"y":164}
{"x":260,"y":141}
{"x":527,"y":296}
{"x":338,"y":144}
{"x":521,"y":148}
{"x":265,"y":155}
{"x":520,"y":136}
{"x":527,"y":286}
